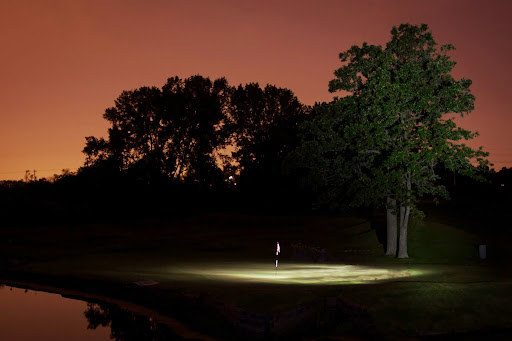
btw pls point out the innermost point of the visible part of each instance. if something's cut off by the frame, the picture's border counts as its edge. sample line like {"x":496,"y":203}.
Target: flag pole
{"x":278,"y":251}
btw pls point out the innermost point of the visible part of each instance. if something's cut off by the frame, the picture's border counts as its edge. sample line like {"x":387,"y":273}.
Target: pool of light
{"x":291,"y":273}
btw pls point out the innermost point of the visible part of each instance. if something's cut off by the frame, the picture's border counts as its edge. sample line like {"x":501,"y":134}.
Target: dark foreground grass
{"x":448,"y":289}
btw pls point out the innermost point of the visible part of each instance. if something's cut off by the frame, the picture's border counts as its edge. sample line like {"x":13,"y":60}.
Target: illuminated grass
{"x":326,"y":274}
{"x":443,"y":287}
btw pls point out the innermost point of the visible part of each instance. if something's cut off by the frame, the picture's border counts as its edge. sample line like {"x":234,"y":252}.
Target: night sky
{"x":63,"y":62}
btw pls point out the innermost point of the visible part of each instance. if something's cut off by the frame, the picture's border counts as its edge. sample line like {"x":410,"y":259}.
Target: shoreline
{"x":180,"y":328}
{"x":199,"y":316}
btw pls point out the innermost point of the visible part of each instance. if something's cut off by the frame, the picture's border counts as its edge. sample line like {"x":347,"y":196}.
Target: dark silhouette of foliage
{"x":160,"y":134}
{"x":181,"y":133}
{"x":127,"y":326}
{"x":264,"y":124}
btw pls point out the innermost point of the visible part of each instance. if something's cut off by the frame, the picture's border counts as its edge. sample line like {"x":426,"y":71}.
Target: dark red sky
{"x":62,"y":63}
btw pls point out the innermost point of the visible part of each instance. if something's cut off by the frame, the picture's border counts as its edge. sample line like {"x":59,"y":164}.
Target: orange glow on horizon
{"x":65,"y":62}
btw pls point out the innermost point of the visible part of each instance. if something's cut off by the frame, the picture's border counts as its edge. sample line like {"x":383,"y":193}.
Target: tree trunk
{"x":391,"y":227}
{"x":404,"y":222}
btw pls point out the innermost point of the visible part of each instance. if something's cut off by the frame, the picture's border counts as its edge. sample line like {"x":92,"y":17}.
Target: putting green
{"x":289,"y":273}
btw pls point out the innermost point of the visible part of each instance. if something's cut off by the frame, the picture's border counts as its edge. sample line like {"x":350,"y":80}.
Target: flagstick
{"x":278,"y":250}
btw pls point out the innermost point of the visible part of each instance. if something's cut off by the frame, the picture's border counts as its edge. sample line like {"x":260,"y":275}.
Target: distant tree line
{"x":195,"y":130}
{"x":193,"y":144}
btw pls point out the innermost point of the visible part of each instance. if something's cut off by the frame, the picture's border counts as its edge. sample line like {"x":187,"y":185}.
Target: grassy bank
{"x":443,"y":288}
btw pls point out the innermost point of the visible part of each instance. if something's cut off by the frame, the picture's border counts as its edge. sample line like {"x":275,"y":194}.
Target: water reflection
{"x":126,"y":326}
{"x":36,"y":315}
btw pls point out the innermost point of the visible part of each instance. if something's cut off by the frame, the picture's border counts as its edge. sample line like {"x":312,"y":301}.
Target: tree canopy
{"x":386,"y":139}
{"x":264,"y":124}
{"x":165,"y":133}
{"x":186,"y":129}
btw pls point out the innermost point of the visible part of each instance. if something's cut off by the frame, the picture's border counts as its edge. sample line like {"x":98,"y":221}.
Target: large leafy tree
{"x":384,"y":140}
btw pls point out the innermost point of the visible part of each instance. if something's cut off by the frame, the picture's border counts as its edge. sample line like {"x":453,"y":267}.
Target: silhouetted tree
{"x":197,"y":114}
{"x":164,"y":133}
{"x":264,"y":123}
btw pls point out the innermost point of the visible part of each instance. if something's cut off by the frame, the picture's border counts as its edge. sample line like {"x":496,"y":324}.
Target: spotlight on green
{"x":297,"y":273}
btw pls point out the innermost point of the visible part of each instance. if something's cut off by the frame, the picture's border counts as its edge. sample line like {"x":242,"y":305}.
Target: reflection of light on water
{"x":295,"y":273}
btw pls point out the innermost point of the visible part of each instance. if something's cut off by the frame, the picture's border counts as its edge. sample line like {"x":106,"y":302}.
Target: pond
{"x":36,"y":315}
